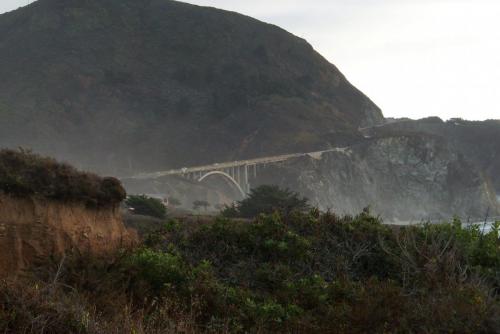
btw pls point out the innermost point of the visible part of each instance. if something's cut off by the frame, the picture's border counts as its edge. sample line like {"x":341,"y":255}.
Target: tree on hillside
{"x":147,"y":206}
{"x":201,"y":204}
{"x":268,"y":199}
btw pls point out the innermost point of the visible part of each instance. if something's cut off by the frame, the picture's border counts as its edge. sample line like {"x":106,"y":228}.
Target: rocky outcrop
{"x":477,"y":141}
{"x":402,"y":178}
{"x":33,"y":229}
{"x":409,"y":177}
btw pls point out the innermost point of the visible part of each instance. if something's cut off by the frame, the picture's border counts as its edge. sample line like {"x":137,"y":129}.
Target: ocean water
{"x":484,"y":226}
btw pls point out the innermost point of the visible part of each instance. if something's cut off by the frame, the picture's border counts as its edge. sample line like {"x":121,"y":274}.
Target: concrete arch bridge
{"x":238,"y":173}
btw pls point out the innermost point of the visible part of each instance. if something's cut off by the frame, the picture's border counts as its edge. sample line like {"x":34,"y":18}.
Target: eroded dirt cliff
{"x":32,"y":228}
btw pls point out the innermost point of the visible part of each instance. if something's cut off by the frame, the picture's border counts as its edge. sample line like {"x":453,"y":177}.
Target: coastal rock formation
{"x":477,"y":141}
{"x":402,"y":178}
{"x":405,"y":178}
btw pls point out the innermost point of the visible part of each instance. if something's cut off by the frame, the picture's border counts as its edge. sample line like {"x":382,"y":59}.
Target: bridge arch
{"x":228,"y":177}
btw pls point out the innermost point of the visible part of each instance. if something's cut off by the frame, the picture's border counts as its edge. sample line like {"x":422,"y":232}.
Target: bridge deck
{"x":232,"y":164}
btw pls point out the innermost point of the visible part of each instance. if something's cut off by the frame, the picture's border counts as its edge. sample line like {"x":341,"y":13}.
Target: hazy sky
{"x":413,"y":58}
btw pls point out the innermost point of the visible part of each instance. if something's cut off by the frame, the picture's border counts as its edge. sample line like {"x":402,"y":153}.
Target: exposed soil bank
{"x":32,"y":228}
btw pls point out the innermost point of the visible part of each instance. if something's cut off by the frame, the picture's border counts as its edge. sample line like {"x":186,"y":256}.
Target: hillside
{"x":121,"y":86}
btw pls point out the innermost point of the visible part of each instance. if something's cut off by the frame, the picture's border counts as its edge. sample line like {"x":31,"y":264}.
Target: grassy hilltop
{"x":25,"y":174}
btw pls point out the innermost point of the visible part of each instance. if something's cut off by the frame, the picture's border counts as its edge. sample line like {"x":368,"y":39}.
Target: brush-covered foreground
{"x":299,"y":273}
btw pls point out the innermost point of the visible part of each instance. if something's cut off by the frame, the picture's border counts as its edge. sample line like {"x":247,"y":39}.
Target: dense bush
{"x":323,"y":273}
{"x":267,"y":199}
{"x":23,"y":173}
{"x":302,"y":272}
{"x":147,"y":206}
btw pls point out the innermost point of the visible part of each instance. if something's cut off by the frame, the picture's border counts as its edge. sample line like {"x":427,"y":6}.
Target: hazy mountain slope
{"x":127,"y":85}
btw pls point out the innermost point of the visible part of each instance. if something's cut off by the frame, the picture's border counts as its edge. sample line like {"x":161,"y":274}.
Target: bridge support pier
{"x":246,"y":184}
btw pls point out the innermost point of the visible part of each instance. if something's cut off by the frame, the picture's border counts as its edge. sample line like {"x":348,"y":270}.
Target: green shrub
{"x":147,"y":206}
{"x":266,"y":200}
{"x":160,"y":271}
{"x":338,"y":273}
{"x":443,"y":253}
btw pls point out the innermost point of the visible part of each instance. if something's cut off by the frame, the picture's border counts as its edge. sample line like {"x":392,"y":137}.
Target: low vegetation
{"x":267,"y":199}
{"x":147,"y":206}
{"x":306,"y":272}
{"x":23,"y":173}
